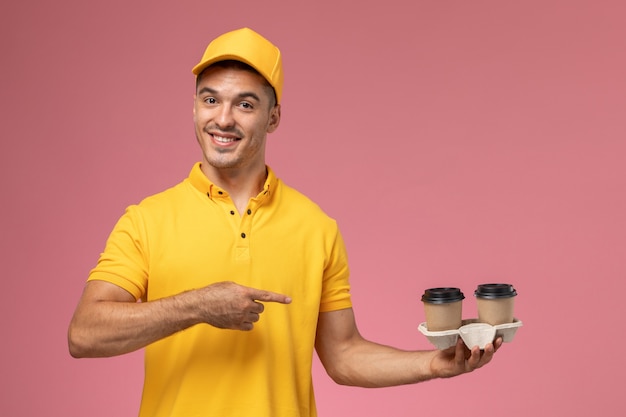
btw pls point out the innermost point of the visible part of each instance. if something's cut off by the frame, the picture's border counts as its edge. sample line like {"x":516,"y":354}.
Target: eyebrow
{"x":241,"y":95}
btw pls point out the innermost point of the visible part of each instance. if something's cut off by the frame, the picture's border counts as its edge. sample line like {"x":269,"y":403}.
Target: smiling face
{"x":234,"y":110}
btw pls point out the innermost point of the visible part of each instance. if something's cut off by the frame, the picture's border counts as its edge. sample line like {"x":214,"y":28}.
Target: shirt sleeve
{"x":124,"y":261}
{"x":336,"y":284}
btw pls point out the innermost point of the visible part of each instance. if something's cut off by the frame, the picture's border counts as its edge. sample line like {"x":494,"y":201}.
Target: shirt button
{"x":232,"y":212}
{"x":249,"y":211}
{"x":243,"y":235}
{"x":220,"y":193}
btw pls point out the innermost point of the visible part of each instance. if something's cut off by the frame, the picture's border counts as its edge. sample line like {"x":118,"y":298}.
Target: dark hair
{"x":233,"y":64}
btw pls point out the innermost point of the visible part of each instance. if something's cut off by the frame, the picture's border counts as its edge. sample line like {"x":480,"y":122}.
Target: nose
{"x":224,"y":117}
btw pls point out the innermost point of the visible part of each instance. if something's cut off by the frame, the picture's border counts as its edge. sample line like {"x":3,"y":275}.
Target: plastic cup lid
{"x":492,"y":291}
{"x":442,"y":295}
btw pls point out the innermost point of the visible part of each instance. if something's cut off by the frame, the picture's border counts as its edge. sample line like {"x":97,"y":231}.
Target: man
{"x":208,"y":256}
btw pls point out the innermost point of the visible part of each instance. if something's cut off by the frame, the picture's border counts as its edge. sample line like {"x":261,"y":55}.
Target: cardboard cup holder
{"x":472,"y":332}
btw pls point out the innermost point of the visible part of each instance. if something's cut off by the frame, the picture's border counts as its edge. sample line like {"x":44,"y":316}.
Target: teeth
{"x":223,"y":139}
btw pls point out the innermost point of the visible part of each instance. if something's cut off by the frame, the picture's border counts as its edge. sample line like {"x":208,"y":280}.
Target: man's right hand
{"x":227,"y":305}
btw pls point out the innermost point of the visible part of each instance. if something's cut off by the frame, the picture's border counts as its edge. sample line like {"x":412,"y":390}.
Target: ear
{"x":274,"y":119}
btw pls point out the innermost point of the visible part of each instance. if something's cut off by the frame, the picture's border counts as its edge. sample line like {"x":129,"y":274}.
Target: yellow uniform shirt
{"x":190,"y":236}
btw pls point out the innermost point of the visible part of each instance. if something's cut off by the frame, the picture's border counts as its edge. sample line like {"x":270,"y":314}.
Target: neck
{"x":241,"y":185}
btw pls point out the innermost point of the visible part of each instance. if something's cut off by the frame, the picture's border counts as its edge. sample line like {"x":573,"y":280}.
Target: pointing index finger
{"x":269,"y":296}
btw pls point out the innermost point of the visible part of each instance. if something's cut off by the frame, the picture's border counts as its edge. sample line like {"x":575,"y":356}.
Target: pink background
{"x":456,"y":142}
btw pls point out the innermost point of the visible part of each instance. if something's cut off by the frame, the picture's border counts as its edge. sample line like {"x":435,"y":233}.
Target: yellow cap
{"x":249,"y":47}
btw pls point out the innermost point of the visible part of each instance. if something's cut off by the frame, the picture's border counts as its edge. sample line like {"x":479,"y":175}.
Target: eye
{"x":210,"y":100}
{"x":246,"y":105}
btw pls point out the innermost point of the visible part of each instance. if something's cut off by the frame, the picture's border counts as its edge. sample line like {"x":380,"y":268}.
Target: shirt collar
{"x":201,"y":183}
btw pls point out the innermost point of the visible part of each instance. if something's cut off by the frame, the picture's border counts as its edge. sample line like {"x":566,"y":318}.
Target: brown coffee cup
{"x":495,"y":303}
{"x":443,"y":308}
